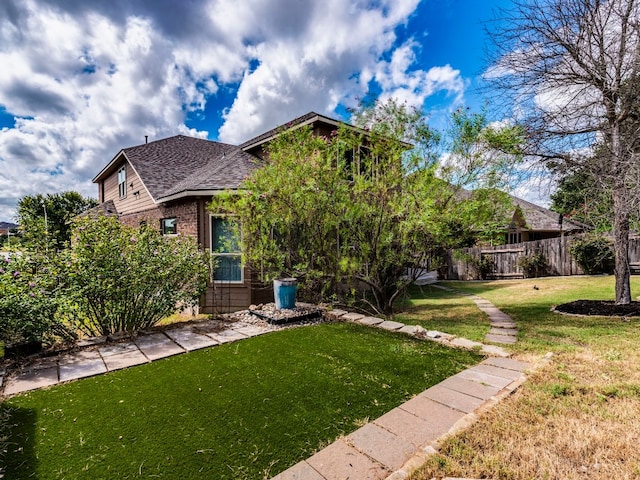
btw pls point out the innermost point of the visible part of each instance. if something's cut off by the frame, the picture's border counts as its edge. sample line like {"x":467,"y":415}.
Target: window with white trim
{"x":169,"y":226}
{"x":225,"y":249}
{"x":122,"y":182}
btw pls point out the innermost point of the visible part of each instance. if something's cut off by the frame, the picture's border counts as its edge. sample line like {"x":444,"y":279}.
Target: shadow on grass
{"x":17,"y":442}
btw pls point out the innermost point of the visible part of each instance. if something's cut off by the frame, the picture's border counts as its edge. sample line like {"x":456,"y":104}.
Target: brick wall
{"x":186,"y":214}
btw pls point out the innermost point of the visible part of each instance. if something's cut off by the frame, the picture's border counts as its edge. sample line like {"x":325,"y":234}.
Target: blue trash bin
{"x":284,"y":292}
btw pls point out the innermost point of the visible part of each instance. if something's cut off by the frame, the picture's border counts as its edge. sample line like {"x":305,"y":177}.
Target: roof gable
{"x":306,"y":119}
{"x":179,"y":164}
{"x":538,"y":218}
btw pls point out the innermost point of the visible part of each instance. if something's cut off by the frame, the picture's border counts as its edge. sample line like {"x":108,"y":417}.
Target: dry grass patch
{"x":560,"y":425}
{"x":576,"y":417}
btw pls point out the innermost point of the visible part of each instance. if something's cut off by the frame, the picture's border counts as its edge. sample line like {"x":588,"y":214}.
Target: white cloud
{"x":85,"y":79}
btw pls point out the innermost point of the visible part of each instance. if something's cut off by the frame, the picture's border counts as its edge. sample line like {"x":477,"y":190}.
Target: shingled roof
{"x":305,"y":119}
{"x":186,"y":165}
{"x":538,"y":218}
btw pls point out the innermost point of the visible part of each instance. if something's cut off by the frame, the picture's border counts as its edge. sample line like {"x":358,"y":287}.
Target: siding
{"x":137,"y":198}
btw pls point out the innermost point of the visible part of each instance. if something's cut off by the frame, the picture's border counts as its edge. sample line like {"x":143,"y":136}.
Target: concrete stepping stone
{"x":391,"y":325}
{"x":483,"y":378}
{"x":91,"y":341}
{"x":503,"y":331}
{"x":340,"y":461}
{"x":189,"y":340}
{"x":498,"y":372}
{"x":481,"y":302}
{"x":503,"y":324}
{"x":413,"y":429}
{"x":158,"y":345}
{"x":383,"y":446}
{"x":505,"y":320}
{"x":503,"y":339}
{"x":81,"y":365}
{"x":124,"y":360}
{"x":206,"y":328}
{"x":32,"y":380}
{"x":117,"y":349}
{"x":352,"y":317}
{"x":227,"y":336}
{"x":412,"y":329}
{"x":494,"y":351}
{"x":439,"y":417}
{"x":453,"y":398}
{"x":436,"y":334}
{"x":300,"y":471}
{"x":336,"y":314}
{"x":83,"y":369}
{"x":507,"y":363}
{"x":371,"y":321}
{"x":465,"y":343}
{"x":43,"y":363}
{"x":469,"y":387}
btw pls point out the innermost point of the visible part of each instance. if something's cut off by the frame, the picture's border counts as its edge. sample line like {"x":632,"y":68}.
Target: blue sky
{"x":84,"y":79}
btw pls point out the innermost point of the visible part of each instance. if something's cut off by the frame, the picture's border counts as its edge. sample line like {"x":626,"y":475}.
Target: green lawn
{"x":244,"y":410}
{"x":437,"y":309}
{"x":541,"y":330}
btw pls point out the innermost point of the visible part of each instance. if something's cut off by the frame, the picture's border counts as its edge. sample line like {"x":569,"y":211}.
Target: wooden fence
{"x":494,"y":262}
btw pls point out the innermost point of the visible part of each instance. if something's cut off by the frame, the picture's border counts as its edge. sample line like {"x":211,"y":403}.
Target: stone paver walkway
{"x":503,"y":329}
{"x":100,"y":358}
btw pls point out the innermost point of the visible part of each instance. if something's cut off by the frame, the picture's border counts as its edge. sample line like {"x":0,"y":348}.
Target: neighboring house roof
{"x":537,"y":218}
{"x":180,"y":166}
{"x":107,"y":208}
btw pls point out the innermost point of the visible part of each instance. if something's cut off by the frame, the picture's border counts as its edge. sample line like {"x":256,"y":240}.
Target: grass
{"x":578,"y":416}
{"x":437,"y":309}
{"x":246,"y":410}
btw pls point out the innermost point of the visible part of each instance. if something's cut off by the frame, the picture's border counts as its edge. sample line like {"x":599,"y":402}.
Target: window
{"x":225,"y":247}
{"x":169,"y":226}
{"x":514,"y":237}
{"x":122,"y":182}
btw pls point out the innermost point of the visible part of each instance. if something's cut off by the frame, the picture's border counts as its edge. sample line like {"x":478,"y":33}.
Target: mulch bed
{"x":600,"y":308}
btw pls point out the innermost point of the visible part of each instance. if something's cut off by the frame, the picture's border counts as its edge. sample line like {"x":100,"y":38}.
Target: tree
{"x":352,"y":213}
{"x":572,"y":68}
{"x":581,"y":198}
{"x":45,"y":219}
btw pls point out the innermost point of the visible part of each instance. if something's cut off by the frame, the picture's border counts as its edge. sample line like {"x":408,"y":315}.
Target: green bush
{"x":29,"y":299}
{"x":483,"y":266}
{"x":534,"y":265}
{"x":124,"y":279}
{"x":594,"y":253}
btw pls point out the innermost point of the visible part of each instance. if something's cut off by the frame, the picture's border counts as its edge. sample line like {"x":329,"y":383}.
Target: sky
{"x":82,"y":79}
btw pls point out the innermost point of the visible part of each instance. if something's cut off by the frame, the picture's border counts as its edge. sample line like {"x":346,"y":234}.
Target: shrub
{"x":126,"y":279}
{"x":483,"y":265}
{"x":594,"y":253}
{"x":534,"y":265}
{"x":29,"y":299}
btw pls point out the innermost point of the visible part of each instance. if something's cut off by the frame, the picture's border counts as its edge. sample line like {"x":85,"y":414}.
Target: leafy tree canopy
{"x":45,"y":219}
{"x":352,"y":213}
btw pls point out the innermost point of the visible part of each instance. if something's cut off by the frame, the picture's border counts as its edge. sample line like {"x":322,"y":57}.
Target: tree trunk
{"x":621,"y":244}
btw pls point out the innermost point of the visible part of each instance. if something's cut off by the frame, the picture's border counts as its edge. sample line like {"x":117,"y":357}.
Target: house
{"x":531,"y":222}
{"x":168,"y":184}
